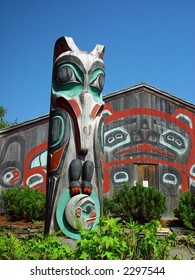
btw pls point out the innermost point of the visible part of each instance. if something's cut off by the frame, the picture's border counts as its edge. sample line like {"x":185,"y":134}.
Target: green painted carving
{"x":74,"y":171}
{"x":80,"y":209}
{"x":58,"y":121}
{"x":68,"y":80}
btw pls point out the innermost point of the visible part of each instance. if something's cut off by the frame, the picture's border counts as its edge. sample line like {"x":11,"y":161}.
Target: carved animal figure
{"x":74,"y":171}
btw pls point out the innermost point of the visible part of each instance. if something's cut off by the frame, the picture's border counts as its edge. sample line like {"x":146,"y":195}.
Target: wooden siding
{"x":149,"y":136}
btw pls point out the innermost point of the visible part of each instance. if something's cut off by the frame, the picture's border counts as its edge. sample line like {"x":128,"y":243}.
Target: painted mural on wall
{"x":141,"y":128}
{"x":74,"y":172}
{"x":23,"y":158}
{"x":148,"y":137}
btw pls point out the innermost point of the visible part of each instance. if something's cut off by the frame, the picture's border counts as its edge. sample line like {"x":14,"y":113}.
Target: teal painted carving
{"x":74,"y":170}
{"x":80,"y":209}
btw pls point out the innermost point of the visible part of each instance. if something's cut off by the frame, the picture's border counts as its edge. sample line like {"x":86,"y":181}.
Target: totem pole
{"x":74,"y":170}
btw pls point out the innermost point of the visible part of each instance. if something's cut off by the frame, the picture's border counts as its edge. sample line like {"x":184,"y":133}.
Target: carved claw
{"x":87,"y":174}
{"x":74,"y":176}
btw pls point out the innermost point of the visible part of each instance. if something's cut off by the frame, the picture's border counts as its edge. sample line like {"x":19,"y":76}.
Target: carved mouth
{"x":145,"y":149}
{"x":91,"y":218}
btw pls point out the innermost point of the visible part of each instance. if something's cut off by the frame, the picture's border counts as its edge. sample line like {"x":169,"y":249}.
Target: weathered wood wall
{"x":149,"y":138}
{"x":23,"y":154}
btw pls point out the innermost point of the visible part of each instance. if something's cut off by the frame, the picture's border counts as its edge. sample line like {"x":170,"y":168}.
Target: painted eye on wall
{"x":98,"y":82}
{"x":65,"y":75}
{"x":174,"y":141}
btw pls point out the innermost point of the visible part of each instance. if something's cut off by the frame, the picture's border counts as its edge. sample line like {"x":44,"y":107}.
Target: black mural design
{"x":11,"y":162}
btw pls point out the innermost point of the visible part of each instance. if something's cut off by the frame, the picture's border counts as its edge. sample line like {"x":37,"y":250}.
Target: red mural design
{"x":35,"y":175}
{"x":170,"y":142}
{"x":17,"y":169}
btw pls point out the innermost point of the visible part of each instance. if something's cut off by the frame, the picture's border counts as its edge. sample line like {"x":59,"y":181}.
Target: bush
{"x":10,"y":246}
{"x":110,"y":242}
{"x":186,"y":209}
{"x":38,"y":247}
{"x":136,"y":203}
{"x":24,"y":204}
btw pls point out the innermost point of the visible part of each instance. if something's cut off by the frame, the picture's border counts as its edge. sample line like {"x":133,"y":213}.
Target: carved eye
{"x":88,"y":209}
{"x":98,"y":82}
{"x":66,"y":75}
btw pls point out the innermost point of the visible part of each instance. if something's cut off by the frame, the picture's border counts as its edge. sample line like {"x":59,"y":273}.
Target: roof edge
{"x":149,"y":87}
{"x":106,"y":96}
{"x":26,"y":123}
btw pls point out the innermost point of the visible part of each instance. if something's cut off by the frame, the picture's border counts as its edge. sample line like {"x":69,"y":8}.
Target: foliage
{"x":154,"y":247}
{"x":47,"y":247}
{"x":39,"y":247}
{"x":186,"y":209}
{"x":4,"y":123}
{"x":136,"y":203}
{"x":10,"y":246}
{"x":111,"y":242}
{"x":191,"y":240}
{"x":24,"y":204}
{"x":105,"y":243}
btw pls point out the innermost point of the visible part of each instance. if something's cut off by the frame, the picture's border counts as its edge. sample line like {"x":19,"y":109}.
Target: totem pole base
{"x":71,"y":243}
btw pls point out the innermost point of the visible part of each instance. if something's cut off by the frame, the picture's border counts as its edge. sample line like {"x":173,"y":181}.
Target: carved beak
{"x":83,"y":111}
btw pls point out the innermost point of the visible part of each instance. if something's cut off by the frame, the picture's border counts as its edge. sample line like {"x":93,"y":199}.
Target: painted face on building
{"x":143,"y":135}
{"x":11,"y":176}
{"x":81,"y":209}
{"x":150,"y":135}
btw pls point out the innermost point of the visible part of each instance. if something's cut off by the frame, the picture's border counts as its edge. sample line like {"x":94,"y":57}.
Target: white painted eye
{"x":119,"y":136}
{"x":111,"y":140}
{"x":178,"y":142}
{"x":170,"y":138}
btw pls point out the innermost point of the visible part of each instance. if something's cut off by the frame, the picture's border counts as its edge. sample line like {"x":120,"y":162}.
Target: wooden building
{"x":148,"y":137}
{"x":23,"y":154}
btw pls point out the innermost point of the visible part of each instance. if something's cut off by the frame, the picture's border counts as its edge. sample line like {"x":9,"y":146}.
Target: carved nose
{"x":85,"y":122}
{"x":83,"y":96}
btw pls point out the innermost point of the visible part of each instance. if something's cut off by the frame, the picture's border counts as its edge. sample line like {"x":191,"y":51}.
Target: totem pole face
{"x":78,"y":80}
{"x":73,"y":178}
{"x":83,"y":208}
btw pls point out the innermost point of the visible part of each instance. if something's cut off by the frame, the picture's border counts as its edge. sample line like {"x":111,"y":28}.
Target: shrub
{"x":136,"y":203}
{"x":110,"y":242}
{"x":186,"y":209}
{"x":46,"y":247}
{"x":107,"y":242}
{"x":24,"y":204}
{"x":38,"y":247}
{"x":152,"y":247}
{"x":10,"y":246}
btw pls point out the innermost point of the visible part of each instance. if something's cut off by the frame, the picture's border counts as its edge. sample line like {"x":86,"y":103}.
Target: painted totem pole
{"x":74,"y":171}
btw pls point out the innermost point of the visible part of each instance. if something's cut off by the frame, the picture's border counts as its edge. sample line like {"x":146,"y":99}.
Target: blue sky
{"x":149,"y":41}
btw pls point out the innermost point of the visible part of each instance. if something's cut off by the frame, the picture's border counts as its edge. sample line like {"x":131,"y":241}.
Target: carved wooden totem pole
{"x":74,"y":171}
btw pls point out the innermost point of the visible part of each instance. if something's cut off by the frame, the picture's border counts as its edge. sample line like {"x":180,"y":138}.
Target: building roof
{"x":108,"y":97}
{"x":24,"y":125}
{"x":153,"y":90}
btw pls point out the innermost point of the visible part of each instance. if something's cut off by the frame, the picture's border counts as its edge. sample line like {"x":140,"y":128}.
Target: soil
{"x":5,"y":222}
